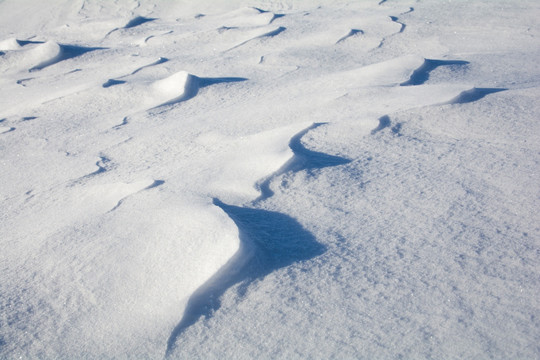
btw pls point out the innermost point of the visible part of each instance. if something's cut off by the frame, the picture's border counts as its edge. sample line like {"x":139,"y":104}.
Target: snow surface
{"x":269,"y":179}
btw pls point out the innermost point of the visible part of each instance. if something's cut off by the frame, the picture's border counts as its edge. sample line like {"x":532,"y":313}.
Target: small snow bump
{"x":9,"y":44}
{"x":6,"y":129}
{"x":474,"y":94}
{"x":136,"y":21}
{"x":112,"y":82}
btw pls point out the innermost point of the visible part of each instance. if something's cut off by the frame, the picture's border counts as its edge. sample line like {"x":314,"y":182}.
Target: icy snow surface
{"x":269,"y":179}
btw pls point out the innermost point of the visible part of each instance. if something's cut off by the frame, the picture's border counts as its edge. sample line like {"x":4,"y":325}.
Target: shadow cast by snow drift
{"x":64,"y":52}
{"x":421,"y":75}
{"x":192,"y":84}
{"x":269,"y":241}
{"x":474,"y":94}
{"x":303,"y":159}
{"x":138,"y":20}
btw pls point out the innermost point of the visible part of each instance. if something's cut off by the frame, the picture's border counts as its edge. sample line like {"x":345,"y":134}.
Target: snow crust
{"x":279,"y":179}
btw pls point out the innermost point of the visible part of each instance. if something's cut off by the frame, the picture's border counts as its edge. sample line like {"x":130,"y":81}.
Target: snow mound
{"x":44,"y":55}
{"x":178,"y":87}
{"x":10,"y":44}
{"x":241,"y":163}
{"x":386,"y":73}
{"x":37,"y":57}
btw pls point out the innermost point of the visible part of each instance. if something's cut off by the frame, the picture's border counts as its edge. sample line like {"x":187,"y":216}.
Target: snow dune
{"x":295,"y":180}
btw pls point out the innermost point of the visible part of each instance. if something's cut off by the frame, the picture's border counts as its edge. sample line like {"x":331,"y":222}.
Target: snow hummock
{"x":177,"y":87}
{"x":9,"y":44}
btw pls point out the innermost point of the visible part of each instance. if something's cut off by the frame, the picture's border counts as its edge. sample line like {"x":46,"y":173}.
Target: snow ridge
{"x":269,"y":241}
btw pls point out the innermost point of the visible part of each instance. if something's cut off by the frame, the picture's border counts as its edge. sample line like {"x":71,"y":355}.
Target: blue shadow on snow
{"x":196,"y":83}
{"x":421,"y":75}
{"x":139,"y":20}
{"x":66,"y":52}
{"x":112,"y":82}
{"x":474,"y":94}
{"x":268,"y":241}
{"x":303,"y":159}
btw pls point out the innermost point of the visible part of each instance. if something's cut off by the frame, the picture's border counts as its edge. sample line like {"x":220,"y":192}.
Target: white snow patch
{"x":9,"y":44}
{"x":175,"y":88}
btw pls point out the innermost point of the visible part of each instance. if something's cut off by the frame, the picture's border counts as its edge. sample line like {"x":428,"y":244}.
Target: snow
{"x":277,"y":179}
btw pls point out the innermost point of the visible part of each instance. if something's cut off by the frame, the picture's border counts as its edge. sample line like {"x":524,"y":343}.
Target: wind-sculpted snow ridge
{"x":351,"y":33}
{"x":242,"y":269}
{"x":474,"y":94}
{"x":246,"y":266}
{"x":161,"y":60}
{"x":112,"y":82}
{"x":421,"y":75}
{"x":172,"y":89}
{"x":177,"y":87}
{"x":303,"y":160}
{"x":182,"y":86}
{"x":16,"y":44}
{"x":259,"y":34}
{"x":42,"y":55}
{"x":5,"y":129}
{"x":136,"y":21}
{"x":395,"y":19}
{"x":269,"y":241}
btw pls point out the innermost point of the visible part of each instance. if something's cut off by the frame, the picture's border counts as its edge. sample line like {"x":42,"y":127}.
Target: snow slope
{"x":272,"y":179}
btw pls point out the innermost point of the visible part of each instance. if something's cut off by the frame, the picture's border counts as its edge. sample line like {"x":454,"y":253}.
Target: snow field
{"x":213,"y":179}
